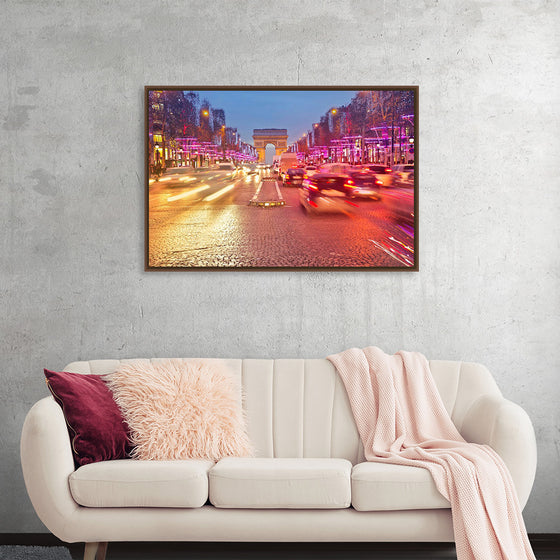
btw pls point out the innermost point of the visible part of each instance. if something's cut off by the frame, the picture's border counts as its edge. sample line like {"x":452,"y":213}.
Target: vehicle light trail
{"x":187,"y":179}
{"x":407,"y":247}
{"x":188,"y":193}
{"x":219,"y":193}
{"x":392,"y":253}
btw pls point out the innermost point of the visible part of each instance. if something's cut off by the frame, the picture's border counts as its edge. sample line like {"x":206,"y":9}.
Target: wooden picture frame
{"x":281,"y":177}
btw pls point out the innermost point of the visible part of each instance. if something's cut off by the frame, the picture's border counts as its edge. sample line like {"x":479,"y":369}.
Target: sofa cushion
{"x":95,"y":424}
{"x":132,"y":483}
{"x":382,"y":486}
{"x":181,"y":409}
{"x":280,"y":483}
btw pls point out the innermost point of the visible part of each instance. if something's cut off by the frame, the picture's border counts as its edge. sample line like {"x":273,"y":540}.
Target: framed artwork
{"x":281,"y":177}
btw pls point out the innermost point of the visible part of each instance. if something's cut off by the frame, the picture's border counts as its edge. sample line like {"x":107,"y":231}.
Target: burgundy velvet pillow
{"x":95,"y":423}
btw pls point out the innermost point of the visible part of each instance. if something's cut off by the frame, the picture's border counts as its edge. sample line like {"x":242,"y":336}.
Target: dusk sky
{"x":293,"y":110}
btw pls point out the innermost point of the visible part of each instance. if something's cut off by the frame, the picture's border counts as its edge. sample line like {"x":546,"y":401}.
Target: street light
{"x":334,"y":111}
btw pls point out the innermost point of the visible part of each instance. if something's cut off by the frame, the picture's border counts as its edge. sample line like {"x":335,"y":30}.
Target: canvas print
{"x":243,"y":178}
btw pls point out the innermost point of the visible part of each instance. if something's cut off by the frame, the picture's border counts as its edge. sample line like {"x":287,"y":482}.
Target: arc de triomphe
{"x":278,"y":137}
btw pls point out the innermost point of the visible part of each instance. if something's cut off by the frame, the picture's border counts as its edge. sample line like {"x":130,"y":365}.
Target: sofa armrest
{"x":47,"y":461}
{"x":506,"y":427}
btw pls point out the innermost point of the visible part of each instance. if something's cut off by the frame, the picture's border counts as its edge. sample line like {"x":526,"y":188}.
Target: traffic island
{"x":268,"y":194}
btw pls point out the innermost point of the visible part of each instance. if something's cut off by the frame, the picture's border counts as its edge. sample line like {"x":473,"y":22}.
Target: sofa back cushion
{"x":299,"y":407}
{"x":95,"y":424}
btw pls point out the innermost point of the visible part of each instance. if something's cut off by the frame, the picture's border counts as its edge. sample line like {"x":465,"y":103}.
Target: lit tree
{"x":360,"y":116}
{"x":387,"y":108}
{"x":190,"y":124}
{"x":322,"y":132}
{"x":205,"y":128}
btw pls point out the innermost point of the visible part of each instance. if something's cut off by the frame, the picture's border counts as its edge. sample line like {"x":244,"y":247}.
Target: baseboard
{"x":48,"y":539}
{"x":30,"y":539}
{"x":552,"y":538}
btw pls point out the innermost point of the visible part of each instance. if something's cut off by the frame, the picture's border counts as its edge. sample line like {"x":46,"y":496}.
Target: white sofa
{"x":308,"y":481}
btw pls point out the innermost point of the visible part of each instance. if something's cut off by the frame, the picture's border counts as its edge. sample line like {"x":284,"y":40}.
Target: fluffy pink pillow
{"x":181,"y":409}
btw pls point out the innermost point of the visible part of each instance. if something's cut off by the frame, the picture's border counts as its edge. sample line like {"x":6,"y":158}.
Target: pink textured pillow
{"x":94,"y":421}
{"x":181,"y":409}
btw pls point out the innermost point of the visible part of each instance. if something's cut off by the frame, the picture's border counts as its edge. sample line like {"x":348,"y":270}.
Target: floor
{"x":544,"y":550}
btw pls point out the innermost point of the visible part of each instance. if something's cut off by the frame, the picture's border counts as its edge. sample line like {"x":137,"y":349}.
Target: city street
{"x":215,"y":218}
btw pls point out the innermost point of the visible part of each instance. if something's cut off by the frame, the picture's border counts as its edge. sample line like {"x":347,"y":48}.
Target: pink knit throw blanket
{"x":401,"y":420}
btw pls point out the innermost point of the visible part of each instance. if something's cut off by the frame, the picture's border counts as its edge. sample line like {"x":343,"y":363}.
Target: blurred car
{"x":177,"y":170}
{"x":175,"y":174}
{"x":383,"y":172}
{"x":326,"y":192}
{"x":403,"y":174}
{"x":293,"y":177}
{"x":364,"y":184}
{"x":264,"y":168}
{"x":250,"y":168}
{"x":400,"y":203}
{"x":336,"y":168}
{"x":310,"y":170}
{"x":287,"y":160}
{"x":282,"y":174}
{"x":228,"y":168}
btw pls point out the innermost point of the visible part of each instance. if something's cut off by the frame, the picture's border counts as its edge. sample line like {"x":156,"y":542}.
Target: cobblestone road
{"x":212,"y":223}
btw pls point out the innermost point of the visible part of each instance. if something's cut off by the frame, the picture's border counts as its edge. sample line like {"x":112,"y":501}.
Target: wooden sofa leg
{"x":101,"y":551}
{"x":90,"y":550}
{"x":95,"y":551}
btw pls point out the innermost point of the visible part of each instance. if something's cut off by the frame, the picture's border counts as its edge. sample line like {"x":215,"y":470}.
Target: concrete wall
{"x":72,"y":284}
